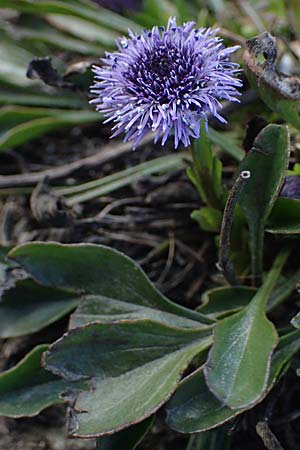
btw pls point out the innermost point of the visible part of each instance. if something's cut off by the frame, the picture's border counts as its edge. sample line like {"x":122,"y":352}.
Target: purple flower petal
{"x":165,"y":81}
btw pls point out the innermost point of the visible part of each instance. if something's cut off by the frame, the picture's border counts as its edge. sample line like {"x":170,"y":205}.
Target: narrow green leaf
{"x":238,"y":366}
{"x":127,"y":439}
{"x":101,"y":16}
{"x":29,"y":98}
{"x":32,"y":129}
{"x":267,"y":162}
{"x":14,"y":62}
{"x":83,"y":29}
{"x":283,"y":291}
{"x":226,"y":143}
{"x":110,"y":183}
{"x":27,"y":388}
{"x":53,"y":38}
{"x":28,"y":307}
{"x":206,"y":173}
{"x":95,"y":269}
{"x":132,"y":367}
{"x":194,"y":409}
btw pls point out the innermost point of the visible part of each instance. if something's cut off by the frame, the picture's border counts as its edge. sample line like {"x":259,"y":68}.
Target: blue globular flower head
{"x":291,"y":187}
{"x":165,"y":80}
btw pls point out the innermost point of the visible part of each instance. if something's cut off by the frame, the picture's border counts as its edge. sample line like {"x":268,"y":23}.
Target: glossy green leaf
{"x":267,"y":162}
{"x":193,"y":408}
{"x":127,"y":439}
{"x":209,"y":219}
{"x":98,"y":270}
{"x":28,"y":307}
{"x":26,"y":389}
{"x":132,"y":367}
{"x":222,"y":301}
{"x":238,"y":365}
{"x":284,"y":217}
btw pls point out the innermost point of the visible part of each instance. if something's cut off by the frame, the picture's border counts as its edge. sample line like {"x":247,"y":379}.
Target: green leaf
{"x":222,"y":301}
{"x":110,"y":183}
{"x":206,"y":172}
{"x":267,"y":162}
{"x":209,"y":219}
{"x":24,"y":98}
{"x":285,"y":287}
{"x":34,"y":128}
{"x":83,"y":29}
{"x":194,"y":409}
{"x":53,"y":38}
{"x":98,"y":270}
{"x":27,"y":388}
{"x":100,"y":16}
{"x":284,"y":217}
{"x":226,"y":143}
{"x":96,"y":308}
{"x":28,"y":307}
{"x":14,"y":62}
{"x":132,"y":367}
{"x":127,"y":439}
{"x":238,"y":365}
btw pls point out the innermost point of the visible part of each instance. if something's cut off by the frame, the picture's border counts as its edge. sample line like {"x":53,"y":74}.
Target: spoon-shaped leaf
{"x":28,"y":307}
{"x":133,"y":367}
{"x":238,"y":366}
{"x":98,"y":270}
{"x":193,"y":408}
{"x":266,"y":161}
{"x":26,"y":389}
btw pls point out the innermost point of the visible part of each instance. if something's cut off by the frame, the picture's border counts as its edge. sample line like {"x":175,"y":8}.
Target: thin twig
{"x":224,"y":263}
{"x":269,"y":439}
